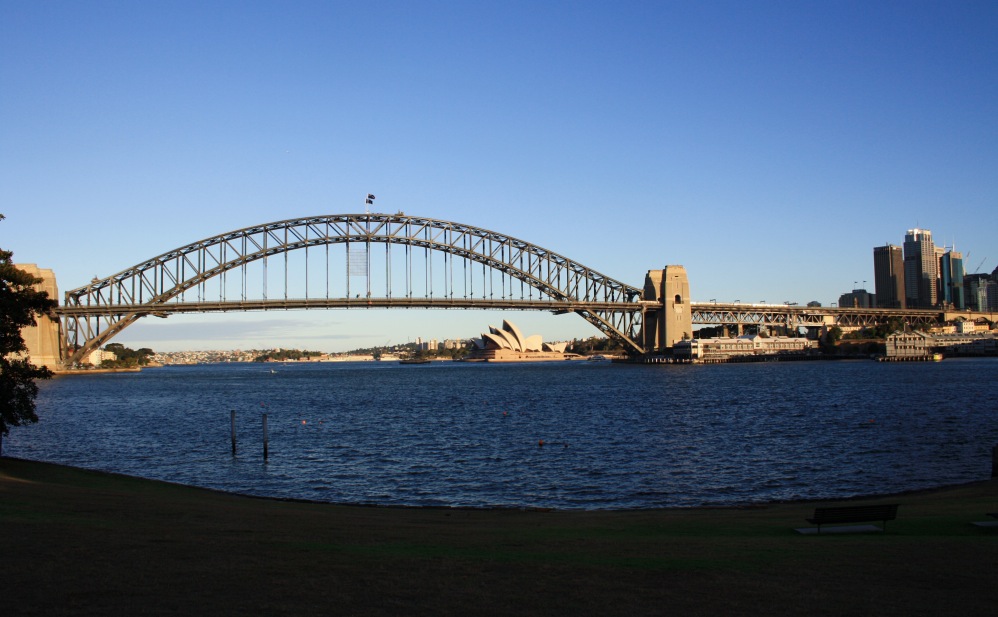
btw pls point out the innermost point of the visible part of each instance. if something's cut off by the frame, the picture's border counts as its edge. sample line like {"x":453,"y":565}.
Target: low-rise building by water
{"x":724,"y":348}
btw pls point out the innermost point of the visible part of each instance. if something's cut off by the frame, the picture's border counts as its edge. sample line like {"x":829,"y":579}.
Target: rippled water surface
{"x":614,"y":436}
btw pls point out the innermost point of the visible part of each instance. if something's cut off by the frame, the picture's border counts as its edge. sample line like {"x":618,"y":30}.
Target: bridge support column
{"x":664,"y":327}
{"x":726,"y":330}
{"x":42,"y":339}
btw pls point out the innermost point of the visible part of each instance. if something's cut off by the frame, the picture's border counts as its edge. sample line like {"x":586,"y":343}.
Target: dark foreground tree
{"x":20,"y":303}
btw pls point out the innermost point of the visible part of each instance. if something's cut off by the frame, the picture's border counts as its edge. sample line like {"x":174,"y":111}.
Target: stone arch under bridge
{"x":336,"y":261}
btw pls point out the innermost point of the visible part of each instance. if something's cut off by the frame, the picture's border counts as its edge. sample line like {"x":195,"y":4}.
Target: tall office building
{"x":921,"y":269}
{"x":888,"y":276}
{"x":979,"y":289}
{"x":951,"y":280}
{"x":858,"y":298}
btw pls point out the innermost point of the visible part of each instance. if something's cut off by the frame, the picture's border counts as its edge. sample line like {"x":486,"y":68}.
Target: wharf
{"x":784,"y":357}
{"x":936,"y":357}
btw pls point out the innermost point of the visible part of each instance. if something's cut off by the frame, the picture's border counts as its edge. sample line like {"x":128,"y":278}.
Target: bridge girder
{"x":793,"y":316}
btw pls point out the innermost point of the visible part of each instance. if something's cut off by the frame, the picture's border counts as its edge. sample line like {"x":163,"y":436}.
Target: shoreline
{"x":94,"y":371}
{"x":524,"y":508}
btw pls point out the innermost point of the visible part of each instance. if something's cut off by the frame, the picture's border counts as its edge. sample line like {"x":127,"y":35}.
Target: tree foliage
{"x":20,"y":303}
{"x":126,"y":357}
{"x":281,"y":355}
{"x":594,"y":344}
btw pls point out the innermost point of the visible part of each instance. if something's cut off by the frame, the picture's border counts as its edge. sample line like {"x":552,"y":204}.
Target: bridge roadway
{"x":703,"y":313}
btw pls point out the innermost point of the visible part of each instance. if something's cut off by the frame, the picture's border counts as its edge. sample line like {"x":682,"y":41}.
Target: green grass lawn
{"x":75,"y":542}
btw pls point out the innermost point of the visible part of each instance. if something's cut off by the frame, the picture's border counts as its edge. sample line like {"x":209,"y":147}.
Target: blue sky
{"x":766,"y":146}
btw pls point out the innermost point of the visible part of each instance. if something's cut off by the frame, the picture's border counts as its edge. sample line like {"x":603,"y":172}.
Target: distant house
{"x":97,"y":357}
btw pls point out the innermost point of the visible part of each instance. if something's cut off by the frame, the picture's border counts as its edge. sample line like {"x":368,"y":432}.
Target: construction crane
{"x":978,"y":268}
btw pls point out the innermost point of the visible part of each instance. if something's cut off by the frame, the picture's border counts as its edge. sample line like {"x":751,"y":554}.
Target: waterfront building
{"x":920,"y":269}
{"x":908,"y":345}
{"x":508,"y":344}
{"x":951,"y":279}
{"x":724,"y":348}
{"x":888,"y":276}
{"x":922,"y":344}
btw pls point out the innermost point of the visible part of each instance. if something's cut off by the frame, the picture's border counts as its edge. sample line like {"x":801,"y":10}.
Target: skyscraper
{"x":921,"y":269}
{"x":951,"y":279}
{"x":888,"y":276}
{"x":975,"y":291}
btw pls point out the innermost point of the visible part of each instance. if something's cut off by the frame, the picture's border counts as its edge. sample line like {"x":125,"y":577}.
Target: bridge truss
{"x":344,"y":261}
{"x":793,"y":316}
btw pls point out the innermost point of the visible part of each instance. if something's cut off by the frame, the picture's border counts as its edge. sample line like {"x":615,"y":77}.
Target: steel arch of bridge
{"x":93,"y":314}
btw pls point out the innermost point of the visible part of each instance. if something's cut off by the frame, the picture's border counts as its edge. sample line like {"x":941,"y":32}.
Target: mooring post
{"x":232,"y":418}
{"x":994,"y":462}
{"x":265,"y":444}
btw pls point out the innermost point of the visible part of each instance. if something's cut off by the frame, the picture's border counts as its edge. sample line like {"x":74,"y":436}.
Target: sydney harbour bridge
{"x":401,"y":261}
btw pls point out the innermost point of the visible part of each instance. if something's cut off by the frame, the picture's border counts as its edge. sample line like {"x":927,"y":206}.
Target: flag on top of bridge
{"x":370,"y":199}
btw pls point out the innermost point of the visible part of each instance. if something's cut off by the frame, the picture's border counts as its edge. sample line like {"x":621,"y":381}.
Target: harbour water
{"x":462,"y":434}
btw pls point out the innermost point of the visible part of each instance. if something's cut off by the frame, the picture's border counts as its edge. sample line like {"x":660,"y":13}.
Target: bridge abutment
{"x":42,"y":340}
{"x":673,"y":322}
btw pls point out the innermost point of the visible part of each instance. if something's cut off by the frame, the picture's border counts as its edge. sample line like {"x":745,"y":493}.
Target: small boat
{"x":415,"y":361}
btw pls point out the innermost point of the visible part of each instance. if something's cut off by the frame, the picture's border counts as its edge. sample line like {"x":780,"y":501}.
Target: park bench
{"x":854,"y":514}
{"x":988,"y":524}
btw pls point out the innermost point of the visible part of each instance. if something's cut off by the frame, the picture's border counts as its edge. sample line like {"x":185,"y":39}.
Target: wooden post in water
{"x":232,"y":417}
{"x":994,"y":462}
{"x":265,"y":444}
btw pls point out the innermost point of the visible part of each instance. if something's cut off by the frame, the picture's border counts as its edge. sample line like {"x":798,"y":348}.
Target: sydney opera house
{"x":509,"y":345}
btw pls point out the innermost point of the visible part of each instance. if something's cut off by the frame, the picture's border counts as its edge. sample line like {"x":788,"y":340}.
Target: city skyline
{"x":766,"y":148}
{"x":921,"y":274}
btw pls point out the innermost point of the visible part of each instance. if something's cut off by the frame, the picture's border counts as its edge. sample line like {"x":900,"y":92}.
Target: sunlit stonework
{"x":509,"y":345}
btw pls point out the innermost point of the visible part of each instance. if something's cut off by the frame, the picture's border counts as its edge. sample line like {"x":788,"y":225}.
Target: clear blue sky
{"x":766,"y":146}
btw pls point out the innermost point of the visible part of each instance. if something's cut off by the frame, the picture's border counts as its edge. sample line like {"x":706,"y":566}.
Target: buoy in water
{"x":540,"y":443}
